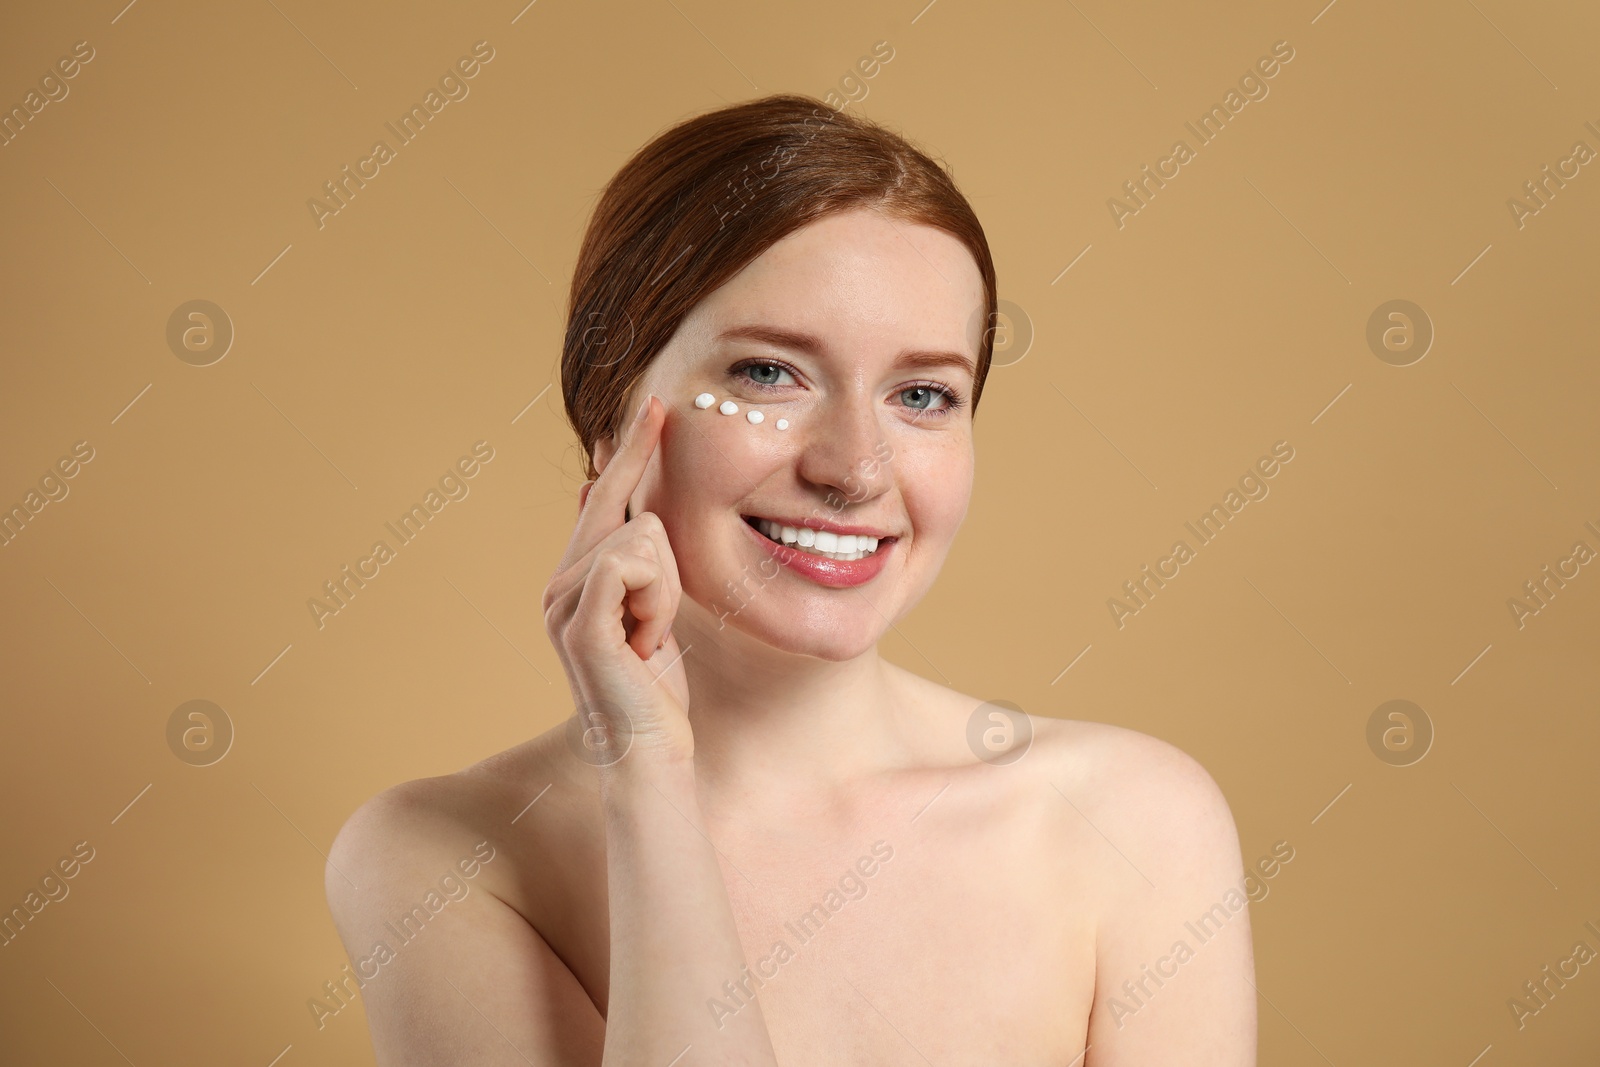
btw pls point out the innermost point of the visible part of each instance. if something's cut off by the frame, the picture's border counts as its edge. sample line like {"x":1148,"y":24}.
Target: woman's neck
{"x":787,"y":724}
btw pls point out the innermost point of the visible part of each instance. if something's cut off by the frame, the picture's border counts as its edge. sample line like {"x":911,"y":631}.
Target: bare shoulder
{"x":1145,"y":815}
{"x":415,"y":824}
{"x":417,"y":883}
{"x":1132,"y":790}
{"x":391,"y":829}
{"x":1173,"y":953}
{"x":1160,"y":791}
{"x":427,"y":838}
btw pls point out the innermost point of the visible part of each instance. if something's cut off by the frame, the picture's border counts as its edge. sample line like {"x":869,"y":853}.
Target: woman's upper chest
{"x":950,"y":951}
{"x":952,"y":925}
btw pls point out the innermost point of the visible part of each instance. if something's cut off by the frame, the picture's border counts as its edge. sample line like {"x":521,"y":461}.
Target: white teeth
{"x":820,"y":542}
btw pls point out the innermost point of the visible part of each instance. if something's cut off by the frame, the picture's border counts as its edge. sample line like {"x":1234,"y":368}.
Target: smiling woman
{"x":720,"y":767}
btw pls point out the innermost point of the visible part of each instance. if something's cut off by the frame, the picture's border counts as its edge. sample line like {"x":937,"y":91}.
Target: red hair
{"x":693,"y":207}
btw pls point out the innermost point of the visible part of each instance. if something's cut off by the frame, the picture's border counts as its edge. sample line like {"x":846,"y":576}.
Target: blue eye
{"x":775,"y":368}
{"x":927,"y":393}
{"x":921,"y":393}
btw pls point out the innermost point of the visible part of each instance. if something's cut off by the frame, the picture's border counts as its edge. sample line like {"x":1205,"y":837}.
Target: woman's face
{"x":872,"y":440}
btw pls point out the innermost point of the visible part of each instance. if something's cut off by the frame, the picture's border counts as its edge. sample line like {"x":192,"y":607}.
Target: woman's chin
{"x":835,"y":639}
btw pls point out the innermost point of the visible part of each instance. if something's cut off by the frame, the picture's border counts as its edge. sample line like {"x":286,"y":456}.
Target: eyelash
{"x":952,"y":403}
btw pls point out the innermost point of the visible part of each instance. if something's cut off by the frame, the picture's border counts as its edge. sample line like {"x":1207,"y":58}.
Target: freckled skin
{"x":869,"y":287}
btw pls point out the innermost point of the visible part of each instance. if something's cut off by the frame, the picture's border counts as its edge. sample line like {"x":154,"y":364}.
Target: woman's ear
{"x":604,"y":449}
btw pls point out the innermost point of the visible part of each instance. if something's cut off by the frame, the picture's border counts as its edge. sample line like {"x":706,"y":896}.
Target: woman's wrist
{"x":647,"y":775}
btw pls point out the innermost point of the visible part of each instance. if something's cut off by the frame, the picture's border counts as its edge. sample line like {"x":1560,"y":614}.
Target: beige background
{"x":1230,"y":313}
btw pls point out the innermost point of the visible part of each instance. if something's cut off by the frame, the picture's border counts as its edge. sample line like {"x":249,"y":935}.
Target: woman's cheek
{"x":935,"y":478}
{"x":749,"y":445}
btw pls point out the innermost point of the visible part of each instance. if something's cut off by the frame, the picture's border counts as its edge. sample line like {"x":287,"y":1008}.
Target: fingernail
{"x":644,"y":409}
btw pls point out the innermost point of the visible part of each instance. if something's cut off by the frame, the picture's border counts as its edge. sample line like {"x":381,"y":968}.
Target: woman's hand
{"x":609,"y":609}
{"x":674,"y":940}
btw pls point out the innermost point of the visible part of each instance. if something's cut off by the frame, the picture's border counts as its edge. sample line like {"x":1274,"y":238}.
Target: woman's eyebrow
{"x":800,"y":341}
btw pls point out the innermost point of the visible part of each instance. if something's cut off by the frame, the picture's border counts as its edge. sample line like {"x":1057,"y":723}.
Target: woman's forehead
{"x":848,"y":284}
{"x":858,"y":256}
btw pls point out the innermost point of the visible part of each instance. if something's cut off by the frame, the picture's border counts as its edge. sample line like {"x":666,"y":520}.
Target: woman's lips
{"x":835,"y":573}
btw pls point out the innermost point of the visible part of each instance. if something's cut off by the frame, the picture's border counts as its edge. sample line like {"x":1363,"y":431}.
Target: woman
{"x":756,"y":841}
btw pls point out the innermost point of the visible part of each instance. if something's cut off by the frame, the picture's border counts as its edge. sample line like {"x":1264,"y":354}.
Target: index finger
{"x":603,"y":511}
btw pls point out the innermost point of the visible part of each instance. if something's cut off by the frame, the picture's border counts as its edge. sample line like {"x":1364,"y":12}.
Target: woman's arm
{"x":673,"y":938}
{"x":1175,"y":979}
{"x":609,"y":610}
{"x":471,"y":983}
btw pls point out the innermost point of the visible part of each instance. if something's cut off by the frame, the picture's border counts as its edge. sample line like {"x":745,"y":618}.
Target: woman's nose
{"x":842,"y":446}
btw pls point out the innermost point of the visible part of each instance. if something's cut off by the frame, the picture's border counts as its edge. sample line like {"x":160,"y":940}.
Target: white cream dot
{"x":783,"y":424}
{"x":704,"y":400}
{"x":728,"y":407}
{"x":753,"y":415}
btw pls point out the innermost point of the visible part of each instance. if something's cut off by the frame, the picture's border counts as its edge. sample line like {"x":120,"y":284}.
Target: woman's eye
{"x":765,"y":374}
{"x":922,"y":397}
{"x":930,"y":398}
